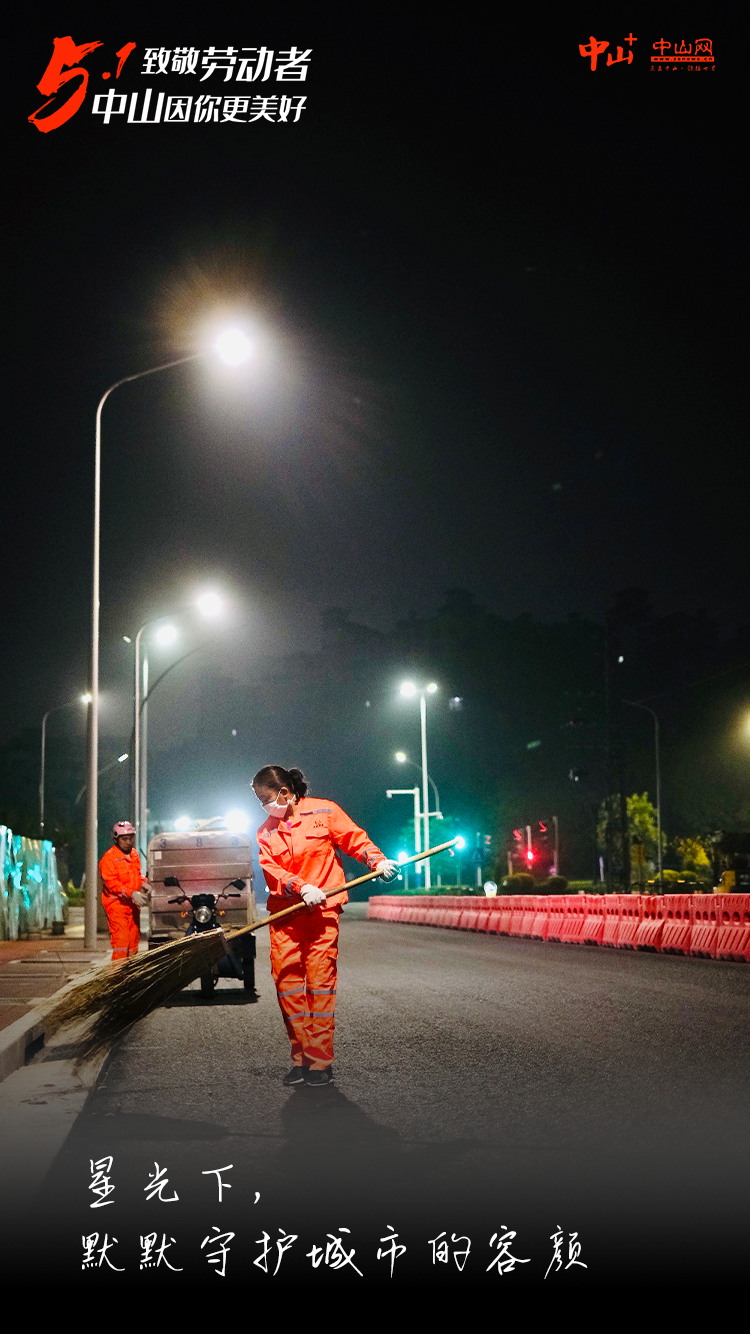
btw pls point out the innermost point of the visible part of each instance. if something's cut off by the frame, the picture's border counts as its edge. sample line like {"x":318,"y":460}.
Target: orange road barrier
{"x":651,"y":926}
{"x":506,"y":915}
{"x":733,"y":935}
{"x":556,"y":917}
{"x":631,"y":907}
{"x":575,"y":916}
{"x":528,"y":913}
{"x":593,"y":922}
{"x":715,"y":926}
{"x":516,"y":920}
{"x":678,"y":924}
{"x":612,"y":919}
{"x":540,"y":925}
{"x":469,"y":915}
{"x":706,"y":912}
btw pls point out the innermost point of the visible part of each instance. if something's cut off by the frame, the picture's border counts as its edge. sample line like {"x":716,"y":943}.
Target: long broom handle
{"x":371,"y":875}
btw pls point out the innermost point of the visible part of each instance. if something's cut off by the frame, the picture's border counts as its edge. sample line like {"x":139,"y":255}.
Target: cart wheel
{"x":208,"y":983}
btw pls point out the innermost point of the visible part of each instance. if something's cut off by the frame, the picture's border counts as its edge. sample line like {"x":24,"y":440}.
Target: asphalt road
{"x":484,"y":1085}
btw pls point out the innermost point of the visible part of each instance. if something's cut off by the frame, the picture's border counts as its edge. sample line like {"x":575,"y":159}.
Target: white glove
{"x":139,"y":898}
{"x":387,"y":870}
{"x":312,"y":896}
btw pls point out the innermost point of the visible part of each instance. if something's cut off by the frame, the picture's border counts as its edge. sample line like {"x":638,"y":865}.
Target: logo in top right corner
{"x":697,"y":56}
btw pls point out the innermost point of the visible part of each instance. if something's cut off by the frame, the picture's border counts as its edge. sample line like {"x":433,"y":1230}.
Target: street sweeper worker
{"x":299,"y":845}
{"x":124,"y":891}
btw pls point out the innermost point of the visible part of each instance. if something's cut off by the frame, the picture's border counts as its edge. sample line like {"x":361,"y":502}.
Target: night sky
{"x":496,"y":304}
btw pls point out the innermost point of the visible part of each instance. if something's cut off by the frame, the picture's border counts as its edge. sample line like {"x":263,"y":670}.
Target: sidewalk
{"x":32,"y":970}
{"x":43,"y":1087}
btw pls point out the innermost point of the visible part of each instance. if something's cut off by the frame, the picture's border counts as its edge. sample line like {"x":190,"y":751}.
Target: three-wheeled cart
{"x":204,"y":862}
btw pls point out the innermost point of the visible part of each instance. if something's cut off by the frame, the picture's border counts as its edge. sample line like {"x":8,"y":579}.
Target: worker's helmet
{"x":122,"y":828}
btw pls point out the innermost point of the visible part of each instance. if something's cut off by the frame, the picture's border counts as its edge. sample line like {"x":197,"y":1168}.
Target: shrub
{"x":76,"y":897}
{"x":520,"y":883}
{"x":556,"y":884}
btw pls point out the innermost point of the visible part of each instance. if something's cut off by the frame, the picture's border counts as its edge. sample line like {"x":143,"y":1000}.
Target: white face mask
{"x":277,"y":809}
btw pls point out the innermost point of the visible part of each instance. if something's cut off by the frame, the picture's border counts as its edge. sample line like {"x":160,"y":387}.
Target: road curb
{"x":25,"y":1037}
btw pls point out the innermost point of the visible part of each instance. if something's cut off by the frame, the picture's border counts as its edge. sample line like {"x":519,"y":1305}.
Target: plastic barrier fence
{"x":712,"y":926}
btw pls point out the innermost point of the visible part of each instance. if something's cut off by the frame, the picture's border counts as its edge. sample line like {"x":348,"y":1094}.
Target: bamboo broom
{"x":107,"y":1004}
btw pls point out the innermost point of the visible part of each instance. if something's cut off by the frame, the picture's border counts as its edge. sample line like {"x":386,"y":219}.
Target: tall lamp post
{"x":167,"y":635}
{"x":233,"y":347}
{"x":635,"y":705}
{"x":409,"y":690}
{"x":81,"y":699}
{"x":410,"y":792}
{"x":209,"y":604}
{"x":401,"y":758}
{"x":120,"y":760}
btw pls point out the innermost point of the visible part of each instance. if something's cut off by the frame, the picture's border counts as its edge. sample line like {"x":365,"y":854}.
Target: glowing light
{"x":234,"y":347}
{"x":490,"y":888}
{"x":121,"y":758}
{"x":166,"y":635}
{"x":209,"y":604}
{"x":460,"y":843}
{"x":183,"y":822}
{"x":402,"y":858}
{"x":529,"y":856}
{"x":408,"y":689}
{"x":127,"y":639}
{"x":431,"y":688}
{"x":400,"y":756}
{"x":237,"y":822}
{"x":86,"y":699}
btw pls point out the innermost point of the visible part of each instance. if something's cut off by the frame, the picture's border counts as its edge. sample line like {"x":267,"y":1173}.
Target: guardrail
{"x":710,"y":926}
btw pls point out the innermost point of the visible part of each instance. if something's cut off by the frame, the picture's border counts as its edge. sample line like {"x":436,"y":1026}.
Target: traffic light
{"x":545,"y":840}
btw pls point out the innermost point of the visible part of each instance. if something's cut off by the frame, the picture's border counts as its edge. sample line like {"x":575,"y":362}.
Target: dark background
{"x":496,"y":299}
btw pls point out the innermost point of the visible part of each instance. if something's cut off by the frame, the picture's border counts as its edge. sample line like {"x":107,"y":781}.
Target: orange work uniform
{"x":304,"y":948}
{"x":121,"y":875}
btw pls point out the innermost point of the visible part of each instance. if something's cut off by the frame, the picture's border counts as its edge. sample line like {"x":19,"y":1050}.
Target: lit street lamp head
{"x":166,"y":635}
{"x":234,"y":347}
{"x":400,"y":756}
{"x":209,"y":604}
{"x":408,"y":689}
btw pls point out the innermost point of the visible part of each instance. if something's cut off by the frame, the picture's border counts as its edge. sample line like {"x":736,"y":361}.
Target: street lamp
{"x":229,"y":350}
{"x":410,"y":792}
{"x":120,"y":760}
{"x":635,"y":705}
{"x":409,"y":690}
{"x":209,"y":604}
{"x":167,"y":635}
{"x":402,"y":758}
{"x":80,"y":699}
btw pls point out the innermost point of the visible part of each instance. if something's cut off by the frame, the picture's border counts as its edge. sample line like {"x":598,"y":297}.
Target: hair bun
{"x":299,"y":782}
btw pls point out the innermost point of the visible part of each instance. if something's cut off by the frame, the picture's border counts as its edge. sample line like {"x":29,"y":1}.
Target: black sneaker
{"x":295,"y":1076}
{"x":318,"y":1078}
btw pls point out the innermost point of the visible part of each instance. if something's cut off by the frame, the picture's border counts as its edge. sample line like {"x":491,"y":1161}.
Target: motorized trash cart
{"x":209,"y":883}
